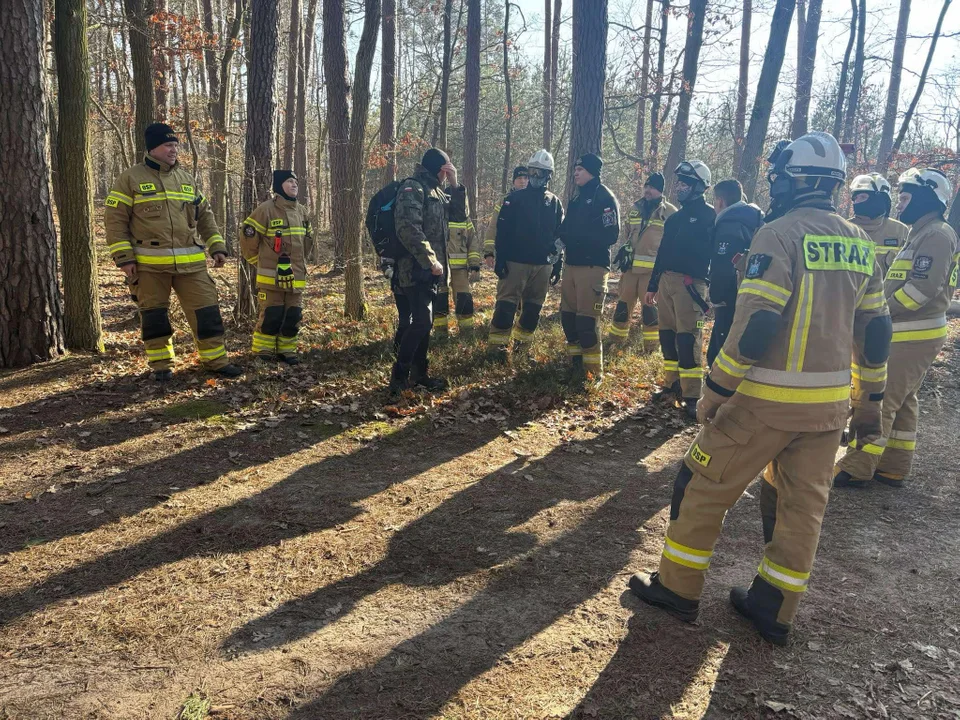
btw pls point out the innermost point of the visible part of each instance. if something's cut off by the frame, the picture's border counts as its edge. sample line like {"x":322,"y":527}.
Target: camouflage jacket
{"x":422,"y":215}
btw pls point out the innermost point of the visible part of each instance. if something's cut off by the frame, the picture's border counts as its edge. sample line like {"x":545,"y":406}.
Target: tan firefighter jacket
{"x":644,"y":234}
{"x":155,"y":217}
{"x":490,"y":238}
{"x":921,"y":280}
{"x":277,"y":219}
{"x":463,"y":247}
{"x":888,"y":234}
{"x":809,"y":292}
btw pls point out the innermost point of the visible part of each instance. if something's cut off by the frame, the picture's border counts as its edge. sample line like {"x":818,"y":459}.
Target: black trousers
{"x":415,"y":308}
{"x":722,"y":322}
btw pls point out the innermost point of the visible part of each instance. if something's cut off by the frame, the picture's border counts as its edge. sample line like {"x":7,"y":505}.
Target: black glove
{"x":624,"y":258}
{"x":866,"y":423}
{"x":500,"y":269}
{"x":284,"y":273}
{"x":557,"y":269}
{"x":474,"y":275}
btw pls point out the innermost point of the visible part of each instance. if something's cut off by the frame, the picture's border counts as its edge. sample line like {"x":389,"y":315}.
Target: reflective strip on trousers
{"x":786,"y":378}
{"x":782,"y":577}
{"x":619,"y":332}
{"x":213,"y":353}
{"x":686,"y":556}
{"x":794,"y":395}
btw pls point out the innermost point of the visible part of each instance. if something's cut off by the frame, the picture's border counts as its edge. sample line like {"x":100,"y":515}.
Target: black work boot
{"x":162,"y":376}
{"x":399,"y":381}
{"x":888,"y":481}
{"x":420,"y":378}
{"x":290,"y":360}
{"x":690,"y":408}
{"x":843,"y":479}
{"x":647,"y":587}
{"x":577,"y":373}
{"x":229,"y":370}
{"x":667,"y":394}
{"x":749,"y":602}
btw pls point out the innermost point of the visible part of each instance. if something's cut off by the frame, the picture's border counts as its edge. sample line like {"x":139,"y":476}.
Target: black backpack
{"x":380,"y":222}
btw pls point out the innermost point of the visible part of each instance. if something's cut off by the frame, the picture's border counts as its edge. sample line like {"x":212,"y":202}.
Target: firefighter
{"x":871,"y":211}
{"x":591,"y":227}
{"x":775,"y":210}
{"x":157,"y":228}
{"x":918,"y":289}
{"x":636,"y":258}
{"x":525,"y":254}
{"x":463,"y":252}
{"x":273,"y":239}
{"x":678,"y":286}
{"x":422,"y":215}
{"x":520,"y":181}
{"x":779,"y":393}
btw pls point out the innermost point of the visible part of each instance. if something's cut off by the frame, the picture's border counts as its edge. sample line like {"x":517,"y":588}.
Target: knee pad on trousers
{"x":441,"y":306}
{"x":685,"y":350}
{"x":530,"y":316}
{"x":587,"y":331}
{"x":668,"y":344}
{"x":679,"y":488}
{"x":876,"y":341}
{"x":503,"y":314}
{"x":768,"y":510}
{"x":649,"y":315}
{"x":621,"y":314}
{"x":291,"y":322}
{"x":463,"y":304}
{"x":155,"y":324}
{"x":209,"y":322}
{"x":272,"y":320}
{"x":568,"y":321}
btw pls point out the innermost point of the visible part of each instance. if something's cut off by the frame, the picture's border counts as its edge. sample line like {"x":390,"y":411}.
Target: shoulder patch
{"x":249,"y":231}
{"x":609,"y":217}
{"x":757,"y":265}
{"x":922,"y":263}
{"x":147,"y":187}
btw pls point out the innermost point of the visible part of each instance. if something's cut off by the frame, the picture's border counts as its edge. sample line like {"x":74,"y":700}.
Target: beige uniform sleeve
{"x":117,"y":215}
{"x":474,"y":254}
{"x":207,"y":226}
{"x":252,"y":233}
{"x":871,"y":344}
{"x":490,"y":239}
{"x":930,"y":271}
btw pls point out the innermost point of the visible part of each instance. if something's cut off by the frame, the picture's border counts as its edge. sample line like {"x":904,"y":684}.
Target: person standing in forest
{"x":273,"y":240}
{"x":678,"y":285}
{"x":157,"y":227}
{"x":871,"y":212}
{"x":590,"y":229}
{"x":463,"y":251}
{"x":521,"y":178}
{"x":422,"y":215}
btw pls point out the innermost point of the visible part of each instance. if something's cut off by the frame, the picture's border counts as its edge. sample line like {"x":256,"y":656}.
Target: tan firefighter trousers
{"x":524,"y":288}
{"x":633,"y":287}
{"x":278,"y":324}
{"x":462,"y":303}
{"x":198,"y":298}
{"x":582,"y":292}
{"x":892,"y":455}
{"x":681,"y":331}
{"x":726,"y":457}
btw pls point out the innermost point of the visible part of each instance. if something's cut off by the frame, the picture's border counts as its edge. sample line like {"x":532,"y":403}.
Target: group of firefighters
{"x":821,"y":324}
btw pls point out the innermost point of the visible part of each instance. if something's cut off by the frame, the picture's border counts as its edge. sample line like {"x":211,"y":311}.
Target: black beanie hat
{"x":433,"y":160}
{"x":520,"y":171}
{"x":279,"y":178}
{"x":157,"y":134}
{"x":655,"y":181}
{"x":591,"y":163}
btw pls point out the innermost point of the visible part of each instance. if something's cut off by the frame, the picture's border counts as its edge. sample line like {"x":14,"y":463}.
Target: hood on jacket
{"x":742,"y":212}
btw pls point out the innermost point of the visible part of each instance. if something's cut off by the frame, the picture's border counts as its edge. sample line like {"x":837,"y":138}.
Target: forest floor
{"x":290,"y":545}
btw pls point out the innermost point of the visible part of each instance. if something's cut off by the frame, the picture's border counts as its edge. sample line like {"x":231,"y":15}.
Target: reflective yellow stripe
{"x":440,"y":321}
{"x":214,"y":239}
{"x":593,"y":358}
{"x":691,"y":372}
{"x":170,"y":259}
{"x":642,"y":263}
{"x":164,"y":353}
{"x":120,"y":197}
{"x":782,"y":577}
{"x":458,"y":262}
{"x":902,"y":265}
{"x":120,"y":246}
{"x":520,"y":334}
{"x":213,"y":353}
{"x":651,"y":334}
{"x":912,"y":335}
{"x":619,"y":332}
{"x":255,"y":225}
{"x":801,"y":379}
{"x":800,"y":330}
{"x":459,"y":225}
{"x":500,"y":337}
{"x":908,"y":302}
{"x":866,"y":374}
{"x":671,"y":365}
{"x":686,"y":556}
{"x":871,"y":301}
{"x":805,"y":396}
{"x":574,"y":350}
{"x":780,"y":293}
{"x":268,"y":280}
{"x":658,"y":223}
{"x":731,"y":366}
{"x":910,"y":445}
{"x":167,"y":195}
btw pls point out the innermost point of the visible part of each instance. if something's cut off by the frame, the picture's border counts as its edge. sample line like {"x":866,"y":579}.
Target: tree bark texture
{"x":508,"y":130}
{"x":590,"y":22}
{"x":844,"y":71}
{"x":554,"y":67}
{"x":640,"y":140}
{"x":138,"y":14}
{"x":691,"y":58}
{"x":303,"y":81}
{"x":808,"y":57}
{"x":743,"y":89}
{"x":31,"y":315}
{"x":766,"y":92}
{"x":655,"y":103}
{"x":290,"y":106}
{"x":857,"y":81}
{"x":81,"y":302}
{"x":445,"y":72}
{"x":258,"y":145}
{"x":547,"y":63}
{"x":388,"y":89}
{"x":161,"y":59}
{"x":471,"y":110}
{"x":893,"y":90}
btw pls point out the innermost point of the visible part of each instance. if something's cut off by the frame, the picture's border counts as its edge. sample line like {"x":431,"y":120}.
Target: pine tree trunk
{"x":893,"y":90}
{"x":338,"y":121}
{"x":844,"y":70}
{"x":766,"y":92}
{"x":138,"y":13}
{"x":547,"y":62}
{"x":31,"y":315}
{"x":590,"y":23}
{"x":857,"y":82}
{"x":290,"y":106}
{"x":691,"y":58}
{"x":388,"y":91}
{"x":81,"y":302}
{"x":654,"y":161}
{"x":161,"y":60}
{"x":640,"y":140}
{"x":508,"y":131}
{"x":743,"y":89}
{"x":258,"y":147}
{"x":445,"y":73}
{"x":303,"y":80}
{"x":808,"y":58}
{"x":471,"y":111}
{"x":554,"y":67}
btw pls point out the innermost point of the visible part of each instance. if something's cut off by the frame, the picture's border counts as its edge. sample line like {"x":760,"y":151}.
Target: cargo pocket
{"x":720,"y":442}
{"x":599,"y":295}
{"x":149,"y":210}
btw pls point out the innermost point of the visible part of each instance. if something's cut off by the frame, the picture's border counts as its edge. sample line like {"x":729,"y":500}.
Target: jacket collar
{"x":424,"y":176}
{"x":926,"y":220}
{"x":282,"y":202}
{"x":154,"y":164}
{"x":728,"y":208}
{"x":868,"y":223}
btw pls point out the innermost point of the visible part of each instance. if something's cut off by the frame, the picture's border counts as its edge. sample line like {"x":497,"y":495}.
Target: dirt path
{"x":292,"y":549}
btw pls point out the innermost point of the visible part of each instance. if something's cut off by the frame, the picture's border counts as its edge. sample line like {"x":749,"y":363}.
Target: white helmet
{"x":928,"y":177}
{"x":874,"y":182}
{"x":695,"y":169}
{"x":816,"y":154}
{"x":542,"y":160}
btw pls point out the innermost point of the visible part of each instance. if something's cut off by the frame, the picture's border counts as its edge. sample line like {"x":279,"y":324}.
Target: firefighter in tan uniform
{"x":273,"y":239}
{"x":871,"y":212}
{"x":636,"y":259}
{"x":779,"y":394}
{"x":918,"y":288}
{"x":157,"y":228}
{"x":591,"y":227}
{"x":463,"y":251}
{"x":521,"y":178}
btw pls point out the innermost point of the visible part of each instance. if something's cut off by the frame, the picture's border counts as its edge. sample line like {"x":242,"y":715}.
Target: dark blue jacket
{"x":732,"y":233}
